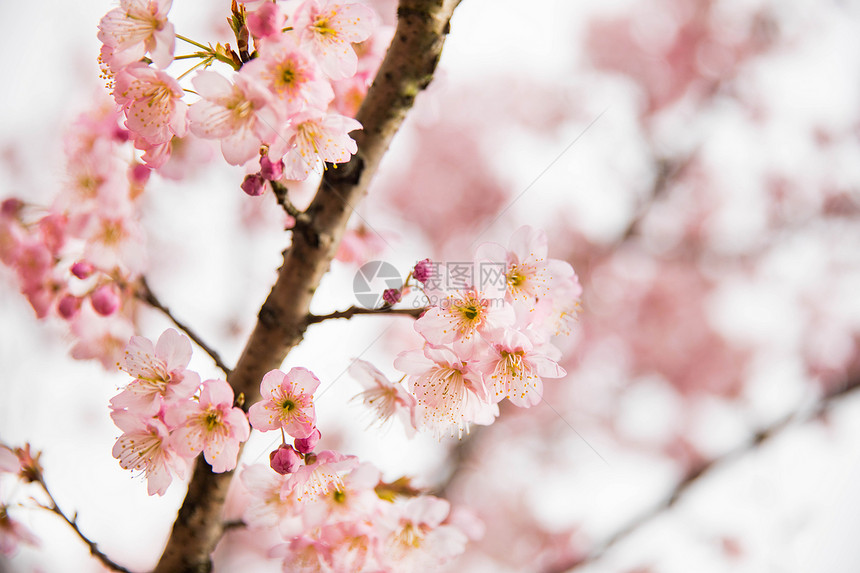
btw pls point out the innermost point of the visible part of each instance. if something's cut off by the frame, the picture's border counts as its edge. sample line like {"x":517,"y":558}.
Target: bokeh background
{"x":697,"y":162}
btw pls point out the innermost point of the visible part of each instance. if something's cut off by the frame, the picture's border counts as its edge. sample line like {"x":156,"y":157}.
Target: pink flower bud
{"x":139,"y":174}
{"x":285,"y":460}
{"x":69,"y":306}
{"x":83,"y":269}
{"x":269,"y":170}
{"x":253,"y":184}
{"x":307,"y":445}
{"x":391,"y":296}
{"x":423,"y":270}
{"x":105,"y":300}
{"x":11,"y":207}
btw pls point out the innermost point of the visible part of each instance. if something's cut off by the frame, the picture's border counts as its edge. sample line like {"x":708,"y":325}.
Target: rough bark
{"x":407,"y":69}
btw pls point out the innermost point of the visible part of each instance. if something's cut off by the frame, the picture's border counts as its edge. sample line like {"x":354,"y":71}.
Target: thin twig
{"x":355,"y":310}
{"x":145,"y":294}
{"x":705,"y":468}
{"x":280,"y":191}
{"x":94,"y":550}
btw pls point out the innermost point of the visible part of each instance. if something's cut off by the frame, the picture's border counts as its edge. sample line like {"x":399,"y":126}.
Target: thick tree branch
{"x":407,"y":69}
{"x":145,"y":294}
{"x":705,"y":468}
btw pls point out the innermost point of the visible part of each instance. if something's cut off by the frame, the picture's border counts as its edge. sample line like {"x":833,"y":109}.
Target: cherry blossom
{"x":137,"y":27}
{"x":515,"y":367}
{"x":287,"y":403}
{"x":266,"y":508}
{"x":313,"y":137}
{"x":160,"y":372}
{"x":463,"y":314}
{"x":387,"y":398}
{"x":152,"y":102}
{"x":211,"y":424}
{"x":291,"y":76}
{"x":145,"y":446}
{"x":450,"y":394}
{"x":265,"y":21}
{"x":241,"y":114}
{"x":329,"y":29}
{"x":319,"y":475}
{"x":417,"y":539}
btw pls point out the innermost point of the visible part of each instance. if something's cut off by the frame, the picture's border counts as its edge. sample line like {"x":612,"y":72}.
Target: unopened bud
{"x":307,"y":445}
{"x":423,"y":270}
{"x":391,"y":296}
{"x":285,"y":460}
{"x":253,"y":184}
{"x":105,"y":300}
{"x":83,"y":269}
{"x":69,"y":306}
{"x":269,"y":170}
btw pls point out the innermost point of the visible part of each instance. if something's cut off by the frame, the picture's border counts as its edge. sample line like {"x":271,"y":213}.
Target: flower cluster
{"x":354,"y":522}
{"x":281,"y":95}
{"x":332,"y":513}
{"x":168,"y":417}
{"x":79,"y":257}
{"x":486,"y":337}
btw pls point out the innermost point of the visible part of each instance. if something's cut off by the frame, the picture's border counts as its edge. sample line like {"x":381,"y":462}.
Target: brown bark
{"x":407,"y":69}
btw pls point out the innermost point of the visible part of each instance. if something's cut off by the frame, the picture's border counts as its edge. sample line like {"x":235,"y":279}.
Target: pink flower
{"x":329,"y":30}
{"x":320,"y":475}
{"x":450,"y":393}
{"x":462,"y":314}
{"x":287,"y":403}
{"x":212,"y":425}
{"x":266,"y":508}
{"x":152,"y":102}
{"x":114,"y":237}
{"x":103,"y":339}
{"x":417,"y":539}
{"x":291,"y":76}
{"x":386,"y":398}
{"x":360,"y":245}
{"x":160,"y":372}
{"x":525,"y":262}
{"x":515,"y":368}
{"x":314,"y":137}
{"x":354,"y":499}
{"x":238,"y":114}
{"x":145,"y":446}
{"x":137,"y":27}
{"x":266,"y":21}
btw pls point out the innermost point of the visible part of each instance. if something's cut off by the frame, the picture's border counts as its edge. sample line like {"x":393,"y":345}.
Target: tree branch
{"x":280,"y":190}
{"x":705,"y":468}
{"x":146,"y":295}
{"x":355,"y":310}
{"x":94,"y":550}
{"x":407,"y":69}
